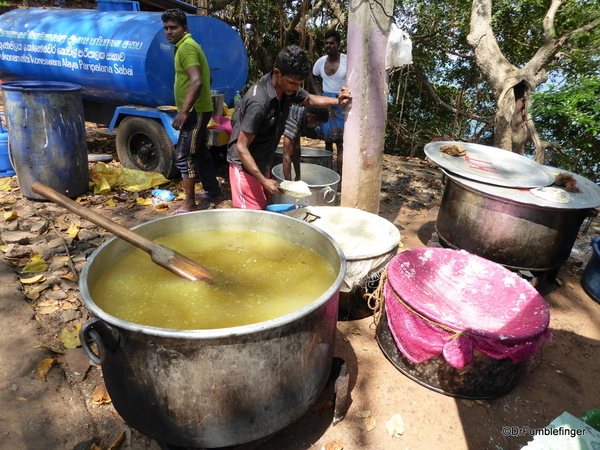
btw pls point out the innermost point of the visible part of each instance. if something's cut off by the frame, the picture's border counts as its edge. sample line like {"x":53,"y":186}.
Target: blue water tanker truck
{"x":124,"y":65}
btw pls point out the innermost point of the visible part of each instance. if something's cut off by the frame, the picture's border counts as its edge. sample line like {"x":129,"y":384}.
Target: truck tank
{"x":117,"y":58}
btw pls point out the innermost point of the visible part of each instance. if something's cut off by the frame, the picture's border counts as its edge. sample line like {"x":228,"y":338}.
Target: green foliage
{"x":569,"y":114}
{"x":440,"y":51}
{"x":438,"y":30}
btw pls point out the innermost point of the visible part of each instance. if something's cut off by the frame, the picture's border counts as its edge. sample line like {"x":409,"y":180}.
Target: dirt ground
{"x":69,"y":410}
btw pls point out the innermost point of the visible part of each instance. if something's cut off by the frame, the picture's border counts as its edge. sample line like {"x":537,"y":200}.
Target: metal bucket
{"x":217,"y":97}
{"x":309,"y":155}
{"x":322,"y":182}
{"x":220,"y":387}
{"x":47,"y":136}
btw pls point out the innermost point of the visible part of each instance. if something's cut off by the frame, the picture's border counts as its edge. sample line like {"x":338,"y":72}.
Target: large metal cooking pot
{"x":309,"y":155}
{"x":512,"y":227}
{"x":220,"y":387}
{"x":322,"y":182}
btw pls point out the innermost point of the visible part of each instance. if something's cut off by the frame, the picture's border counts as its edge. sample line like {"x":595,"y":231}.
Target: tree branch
{"x":336,"y":9}
{"x":439,"y":102}
{"x":548,"y":22}
{"x":450,"y":52}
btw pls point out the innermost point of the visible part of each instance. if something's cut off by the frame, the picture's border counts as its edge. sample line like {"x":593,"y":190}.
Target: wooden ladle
{"x":163,"y":256}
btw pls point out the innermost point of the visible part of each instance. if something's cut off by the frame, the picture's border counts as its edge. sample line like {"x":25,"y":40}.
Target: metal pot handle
{"x":326,"y":191}
{"x":88,"y":332}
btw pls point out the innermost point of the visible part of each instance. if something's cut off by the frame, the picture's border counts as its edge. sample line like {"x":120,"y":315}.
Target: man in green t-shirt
{"x":194,"y":106}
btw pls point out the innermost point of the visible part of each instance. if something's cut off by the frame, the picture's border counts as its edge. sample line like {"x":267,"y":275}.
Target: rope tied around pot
{"x":376,"y":302}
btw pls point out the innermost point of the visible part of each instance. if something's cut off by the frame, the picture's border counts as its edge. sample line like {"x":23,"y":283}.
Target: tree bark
{"x":511,"y":85}
{"x":364,"y":134}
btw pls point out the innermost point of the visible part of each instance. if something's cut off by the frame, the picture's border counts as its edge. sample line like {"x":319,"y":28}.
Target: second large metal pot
{"x":322,"y":182}
{"x":219,"y":387}
{"x":511,"y":227}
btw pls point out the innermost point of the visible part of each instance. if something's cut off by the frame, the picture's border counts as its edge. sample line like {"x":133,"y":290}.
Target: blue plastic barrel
{"x":590,"y":281}
{"x":6,"y":168}
{"x":47,"y":135}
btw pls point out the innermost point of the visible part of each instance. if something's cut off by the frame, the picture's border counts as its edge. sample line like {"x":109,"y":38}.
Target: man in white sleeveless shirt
{"x":332,"y":70}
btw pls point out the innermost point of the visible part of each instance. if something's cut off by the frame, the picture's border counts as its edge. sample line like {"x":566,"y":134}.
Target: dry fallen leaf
{"x":44,"y":367}
{"x":45,"y":310}
{"x":334,"y":445}
{"x":363,"y":414}
{"x":54,"y":350}
{"x":47,"y":307}
{"x":571,"y":285}
{"x":118,"y":441}
{"x":467,"y":402}
{"x":36,"y":279}
{"x":5,"y":184}
{"x":33,"y":293}
{"x":100,"y":395}
{"x":70,"y":336}
{"x":395,"y":426}
{"x":110,"y":202}
{"x":144,"y":201}
{"x":73,"y":230}
{"x":96,"y":447}
{"x":36,"y":264}
{"x":161,"y":207}
{"x":69,"y":277}
{"x":370,"y":423}
{"x":68,"y":306}
{"x":10,"y":215}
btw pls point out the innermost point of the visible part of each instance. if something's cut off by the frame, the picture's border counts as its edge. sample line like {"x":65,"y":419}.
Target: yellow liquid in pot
{"x":257,"y":277}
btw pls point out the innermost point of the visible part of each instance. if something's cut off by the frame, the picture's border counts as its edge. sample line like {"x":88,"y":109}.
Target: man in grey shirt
{"x":260,"y":122}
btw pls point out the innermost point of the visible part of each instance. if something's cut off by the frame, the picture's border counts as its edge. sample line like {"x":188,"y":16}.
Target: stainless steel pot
{"x":222,"y":387}
{"x":322,"y":182}
{"x":509,"y":226}
{"x":217,"y":99}
{"x":318,"y":156}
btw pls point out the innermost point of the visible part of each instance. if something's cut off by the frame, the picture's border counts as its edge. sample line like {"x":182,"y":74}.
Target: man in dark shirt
{"x":259,"y":125}
{"x":300,"y":119}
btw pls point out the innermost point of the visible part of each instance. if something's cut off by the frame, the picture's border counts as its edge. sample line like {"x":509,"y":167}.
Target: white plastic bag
{"x":399,"y":49}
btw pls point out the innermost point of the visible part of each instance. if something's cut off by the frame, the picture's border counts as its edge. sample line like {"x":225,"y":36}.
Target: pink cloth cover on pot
{"x":492,"y":309}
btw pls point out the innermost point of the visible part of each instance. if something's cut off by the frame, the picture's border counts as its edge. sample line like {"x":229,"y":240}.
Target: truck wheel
{"x":143,"y":144}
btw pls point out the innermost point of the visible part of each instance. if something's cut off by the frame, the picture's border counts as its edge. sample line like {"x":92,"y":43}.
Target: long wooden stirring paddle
{"x":163,"y":256}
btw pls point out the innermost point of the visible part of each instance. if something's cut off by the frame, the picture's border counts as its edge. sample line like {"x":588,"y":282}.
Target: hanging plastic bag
{"x":399,"y":49}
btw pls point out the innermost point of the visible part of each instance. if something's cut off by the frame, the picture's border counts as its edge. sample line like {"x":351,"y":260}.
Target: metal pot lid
{"x":491,"y":165}
{"x":546,"y":197}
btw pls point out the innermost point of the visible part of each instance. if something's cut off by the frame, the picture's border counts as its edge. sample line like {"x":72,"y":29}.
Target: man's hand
{"x":271,"y":186}
{"x":179,"y":120}
{"x":345,"y":96}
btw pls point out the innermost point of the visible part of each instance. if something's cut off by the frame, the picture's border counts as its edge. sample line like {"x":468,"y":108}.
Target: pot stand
{"x":353,"y":305}
{"x":337,"y":390}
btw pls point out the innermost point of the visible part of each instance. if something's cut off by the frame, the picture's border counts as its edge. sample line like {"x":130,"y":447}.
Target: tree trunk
{"x":368,"y":29}
{"x":512,"y":86}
